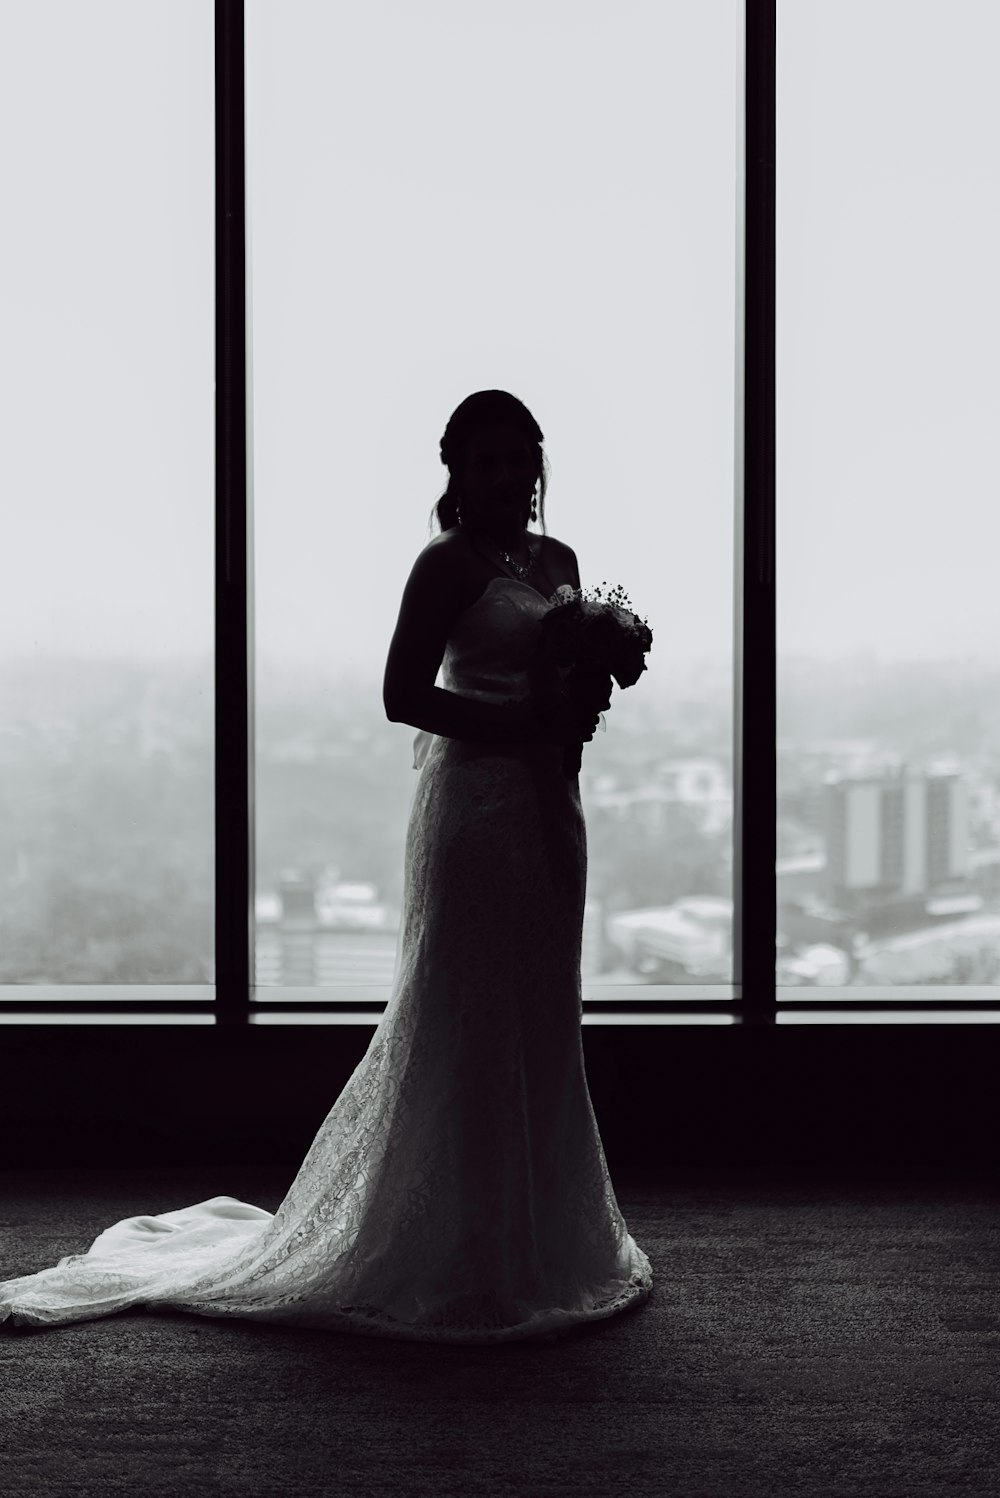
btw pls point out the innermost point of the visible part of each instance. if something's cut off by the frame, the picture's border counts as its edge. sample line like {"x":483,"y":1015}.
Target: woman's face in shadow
{"x":498,"y":478}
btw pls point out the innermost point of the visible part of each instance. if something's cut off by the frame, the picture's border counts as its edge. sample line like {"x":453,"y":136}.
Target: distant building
{"x":895,"y":834}
{"x":331,"y":932}
{"x":692,"y":938}
{"x":800,"y":874}
{"x":325,"y":933}
{"x":702,"y":784}
{"x":985,"y":865}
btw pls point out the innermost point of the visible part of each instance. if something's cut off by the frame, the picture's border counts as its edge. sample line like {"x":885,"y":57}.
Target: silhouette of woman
{"x":458,"y":1189}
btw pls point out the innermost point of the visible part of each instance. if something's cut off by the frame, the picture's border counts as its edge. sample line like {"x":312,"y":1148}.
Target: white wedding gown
{"x":458,"y":1189}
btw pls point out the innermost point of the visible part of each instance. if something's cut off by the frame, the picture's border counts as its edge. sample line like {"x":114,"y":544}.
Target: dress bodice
{"x":490,"y":648}
{"x":493,"y":641}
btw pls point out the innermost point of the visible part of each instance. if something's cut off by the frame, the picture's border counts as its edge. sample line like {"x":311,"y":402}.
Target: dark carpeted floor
{"x":830,"y":1339}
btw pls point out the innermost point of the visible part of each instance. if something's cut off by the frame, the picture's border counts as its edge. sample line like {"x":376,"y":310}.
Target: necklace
{"x":521,"y":571}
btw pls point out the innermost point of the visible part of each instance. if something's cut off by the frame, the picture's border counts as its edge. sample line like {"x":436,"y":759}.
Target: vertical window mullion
{"x":234,"y":846}
{"x":754,"y":758}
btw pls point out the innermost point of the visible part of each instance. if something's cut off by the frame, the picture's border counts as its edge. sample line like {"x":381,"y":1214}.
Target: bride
{"x":458,"y":1189}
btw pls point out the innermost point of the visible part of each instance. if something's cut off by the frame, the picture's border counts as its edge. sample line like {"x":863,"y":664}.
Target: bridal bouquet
{"x":596,"y":638}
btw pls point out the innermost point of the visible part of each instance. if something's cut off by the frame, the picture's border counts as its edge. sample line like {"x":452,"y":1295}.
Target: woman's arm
{"x":454,"y":717}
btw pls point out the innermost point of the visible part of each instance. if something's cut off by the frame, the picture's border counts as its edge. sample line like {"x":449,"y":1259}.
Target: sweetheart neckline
{"x":502,"y":577}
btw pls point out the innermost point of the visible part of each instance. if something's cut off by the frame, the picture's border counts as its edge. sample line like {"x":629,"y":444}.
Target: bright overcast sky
{"x":448,"y":196}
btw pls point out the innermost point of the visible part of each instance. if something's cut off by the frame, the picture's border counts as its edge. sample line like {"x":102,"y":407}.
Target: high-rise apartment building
{"x":898,"y":832}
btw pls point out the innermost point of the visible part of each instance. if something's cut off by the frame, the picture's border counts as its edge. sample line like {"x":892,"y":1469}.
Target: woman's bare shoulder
{"x":566,"y":562}
{"x":450,"y":551}
{"x":560,"y":547}
{"x":450,"y":562}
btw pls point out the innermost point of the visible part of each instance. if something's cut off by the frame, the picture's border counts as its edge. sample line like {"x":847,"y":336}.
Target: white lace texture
{"x":458,"y":1189}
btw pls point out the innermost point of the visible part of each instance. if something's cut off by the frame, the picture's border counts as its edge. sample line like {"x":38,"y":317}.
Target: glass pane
{"x":107,"y":465}
{"x":448,"y":197}
{"x":888,"y":392}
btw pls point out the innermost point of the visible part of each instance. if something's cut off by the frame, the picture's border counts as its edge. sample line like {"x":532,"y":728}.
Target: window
{"x":107,"y":466}
{"x":448,"y":198}
{"x":888,"y":390}
{"x":439,"y":200}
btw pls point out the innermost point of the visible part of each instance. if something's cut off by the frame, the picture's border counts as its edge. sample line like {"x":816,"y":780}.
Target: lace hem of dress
{"x":469,"y":1320}
{"x":472,"y":1323}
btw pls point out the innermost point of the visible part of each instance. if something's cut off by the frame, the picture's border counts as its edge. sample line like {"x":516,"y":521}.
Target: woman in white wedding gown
{"x":458,"y":1189}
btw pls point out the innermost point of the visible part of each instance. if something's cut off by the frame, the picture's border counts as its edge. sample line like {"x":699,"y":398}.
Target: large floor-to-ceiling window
{"x":441,"y":199}
{"x":107,"y":473}
{"x":887,"y":523}
{"x":444,"y":198}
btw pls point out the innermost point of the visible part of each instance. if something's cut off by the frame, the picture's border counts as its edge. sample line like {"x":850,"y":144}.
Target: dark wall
{"x":868,"y":1099}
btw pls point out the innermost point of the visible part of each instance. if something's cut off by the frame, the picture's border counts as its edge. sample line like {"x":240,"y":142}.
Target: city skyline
{"x":888,"y":838}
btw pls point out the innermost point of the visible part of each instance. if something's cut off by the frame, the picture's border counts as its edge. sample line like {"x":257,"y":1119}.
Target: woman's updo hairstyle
{"x":481,"y":409}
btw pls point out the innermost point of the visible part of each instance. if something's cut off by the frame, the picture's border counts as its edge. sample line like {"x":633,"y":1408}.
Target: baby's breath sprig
{"x":595,"y":593}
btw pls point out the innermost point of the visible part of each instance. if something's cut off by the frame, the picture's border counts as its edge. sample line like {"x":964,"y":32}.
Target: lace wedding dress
{"x":458,"y":1189}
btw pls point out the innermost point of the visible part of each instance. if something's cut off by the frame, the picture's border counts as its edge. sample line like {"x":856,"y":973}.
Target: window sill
{"x":604,"y":1005}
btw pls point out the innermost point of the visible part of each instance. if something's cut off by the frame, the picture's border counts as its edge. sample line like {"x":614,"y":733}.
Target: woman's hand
{"x":561,"y":721}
